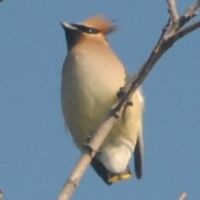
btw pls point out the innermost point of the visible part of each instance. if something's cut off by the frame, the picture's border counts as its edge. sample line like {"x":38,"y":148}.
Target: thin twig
{"x":192,"y":10}
{"x":190,"y":13}
{"x":173,"y":11}
{"x":1,"y":194}
{"x":171,"y":33}
{"x":183,"y":196}
{"x":188,"y":30}
{"x":176,"y":22}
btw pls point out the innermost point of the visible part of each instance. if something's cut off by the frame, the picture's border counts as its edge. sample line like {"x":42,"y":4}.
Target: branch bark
{"x":173,"y":10}
{"x":174,"y":30}
{"x":1,"y":194}
{"x":183,"y":196}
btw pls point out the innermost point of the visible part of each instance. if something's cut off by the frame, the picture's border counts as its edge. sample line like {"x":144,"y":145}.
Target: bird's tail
{"x":107,"y":176}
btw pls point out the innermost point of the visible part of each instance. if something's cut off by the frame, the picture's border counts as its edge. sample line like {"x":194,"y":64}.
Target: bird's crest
{"x":104,"y":25}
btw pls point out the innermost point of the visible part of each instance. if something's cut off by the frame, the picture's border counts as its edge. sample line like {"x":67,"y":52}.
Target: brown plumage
{"x":91,"y":80}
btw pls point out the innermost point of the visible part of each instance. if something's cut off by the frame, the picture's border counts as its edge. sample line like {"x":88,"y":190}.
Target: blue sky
{"x":36,"y":155}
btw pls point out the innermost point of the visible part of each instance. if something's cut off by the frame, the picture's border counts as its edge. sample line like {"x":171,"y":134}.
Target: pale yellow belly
{"x":87,"y":98}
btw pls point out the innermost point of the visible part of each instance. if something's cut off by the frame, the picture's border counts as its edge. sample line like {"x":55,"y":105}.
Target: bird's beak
{"x":66,"y":25}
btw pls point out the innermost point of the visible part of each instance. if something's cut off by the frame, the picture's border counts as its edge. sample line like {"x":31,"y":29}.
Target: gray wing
{"x":138,"y":156}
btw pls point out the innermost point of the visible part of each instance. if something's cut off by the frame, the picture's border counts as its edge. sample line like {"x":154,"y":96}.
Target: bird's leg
{"x":121,"y":92}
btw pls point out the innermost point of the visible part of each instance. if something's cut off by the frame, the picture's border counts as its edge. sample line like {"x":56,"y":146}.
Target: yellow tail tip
{"x":119,"y":177}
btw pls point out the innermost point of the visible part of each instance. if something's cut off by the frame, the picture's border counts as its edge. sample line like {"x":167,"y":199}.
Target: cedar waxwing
{"x":92,"y":81}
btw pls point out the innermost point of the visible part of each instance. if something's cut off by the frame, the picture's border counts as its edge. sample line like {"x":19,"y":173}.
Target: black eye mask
{"x":86,"y":29}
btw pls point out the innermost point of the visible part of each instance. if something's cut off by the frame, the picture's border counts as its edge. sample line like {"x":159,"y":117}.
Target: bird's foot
{"x":121,"y":92}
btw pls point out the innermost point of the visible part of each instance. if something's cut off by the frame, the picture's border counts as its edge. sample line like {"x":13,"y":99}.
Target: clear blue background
{"x":36,"y":155}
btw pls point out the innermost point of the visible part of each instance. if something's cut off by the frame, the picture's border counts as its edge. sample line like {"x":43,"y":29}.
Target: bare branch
{"x":192,"y":10}
{"x":183,"y":196}
{"x":172,"y":32}
{"x":173,"y":11}
{"x":1,"y":194}
{"x":93,"y":146}
{"x":190,"y":13}
{"x":188,"y":30}
{"x":177,"y":22}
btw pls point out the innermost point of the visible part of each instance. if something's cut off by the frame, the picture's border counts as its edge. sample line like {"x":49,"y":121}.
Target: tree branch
{"x":173,"y":31}
{"x":173,"y":11}
{"x":1,"y":194}
{"x":183,"y":196}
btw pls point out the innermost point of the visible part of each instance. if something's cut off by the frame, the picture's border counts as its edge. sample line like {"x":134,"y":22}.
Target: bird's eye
{"x":92,"y":30}
{"x":86,"y":29}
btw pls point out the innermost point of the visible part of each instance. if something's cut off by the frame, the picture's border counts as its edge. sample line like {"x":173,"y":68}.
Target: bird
{"x":93,"y":80}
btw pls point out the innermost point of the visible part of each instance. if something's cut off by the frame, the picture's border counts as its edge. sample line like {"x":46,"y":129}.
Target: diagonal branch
{"x":190,"y":13}
{"x":192,"y":10}
{"x":172,"y":32}
{"x":1,"y":194}
{"x":188,"y":30}
{"x":183,"y":196}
